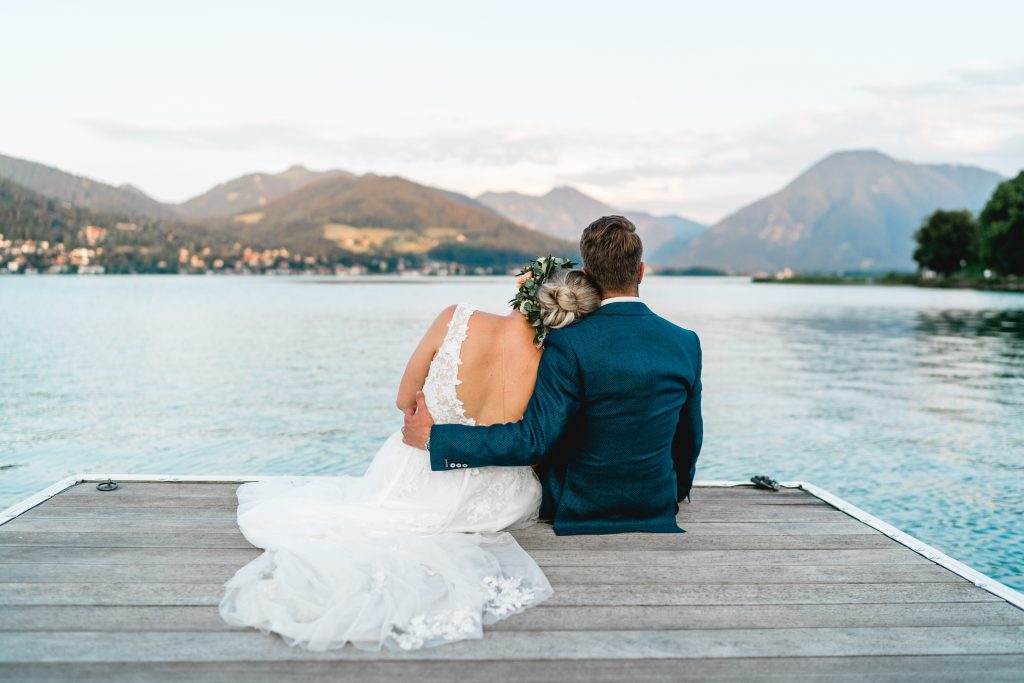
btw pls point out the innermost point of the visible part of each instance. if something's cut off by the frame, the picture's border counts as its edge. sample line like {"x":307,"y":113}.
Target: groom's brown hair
{"x":612,"y":252}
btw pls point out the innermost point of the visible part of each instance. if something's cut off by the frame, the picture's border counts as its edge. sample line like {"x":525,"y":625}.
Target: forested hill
{"x":373,"y":214}
{"x":80,"y":191}
{"x":251,"y":191}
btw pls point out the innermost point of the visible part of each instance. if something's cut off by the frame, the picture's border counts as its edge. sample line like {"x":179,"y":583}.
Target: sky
{"x":687,"y":107}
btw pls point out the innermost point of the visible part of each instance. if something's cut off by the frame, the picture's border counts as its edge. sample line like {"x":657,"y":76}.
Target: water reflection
{"x":1000,"y":323}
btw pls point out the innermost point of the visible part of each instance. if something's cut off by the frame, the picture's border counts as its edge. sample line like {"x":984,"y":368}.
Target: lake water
{"x":907,"y":402}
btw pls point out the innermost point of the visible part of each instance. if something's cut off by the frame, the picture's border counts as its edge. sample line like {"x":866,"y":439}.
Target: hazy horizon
{"x":666,"y":107}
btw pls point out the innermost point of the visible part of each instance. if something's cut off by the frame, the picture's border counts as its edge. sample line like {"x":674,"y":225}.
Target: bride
{"x":404,"y":557}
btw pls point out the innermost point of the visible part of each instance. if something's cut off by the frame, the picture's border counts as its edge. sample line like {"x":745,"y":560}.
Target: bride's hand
{"x":417,"y":425}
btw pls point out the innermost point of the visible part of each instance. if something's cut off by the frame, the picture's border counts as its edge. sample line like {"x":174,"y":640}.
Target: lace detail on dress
{"x":503,"y":597}
{"x":443,"y":626}
{"x":507,"y":595}
{"x":442,"y":378}
{"x":502,"y":482}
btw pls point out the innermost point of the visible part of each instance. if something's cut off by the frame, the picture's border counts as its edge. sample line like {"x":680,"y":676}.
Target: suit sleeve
{"x":556,"y":399}
{"x":689,"y":435}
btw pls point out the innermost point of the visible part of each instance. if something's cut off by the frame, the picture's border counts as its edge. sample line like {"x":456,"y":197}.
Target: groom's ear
{"x":640,"y":275}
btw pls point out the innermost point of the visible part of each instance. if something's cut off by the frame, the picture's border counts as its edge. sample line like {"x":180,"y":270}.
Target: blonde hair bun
{"x":566,"y":296}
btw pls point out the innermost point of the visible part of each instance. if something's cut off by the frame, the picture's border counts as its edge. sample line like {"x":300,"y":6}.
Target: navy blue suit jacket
{"x":614,"y":423}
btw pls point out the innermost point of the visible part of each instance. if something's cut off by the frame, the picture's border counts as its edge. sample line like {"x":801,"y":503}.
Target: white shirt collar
{"x":617,"y":299}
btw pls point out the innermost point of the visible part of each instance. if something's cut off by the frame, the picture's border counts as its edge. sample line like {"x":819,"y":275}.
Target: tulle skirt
{"x":373,"y":561}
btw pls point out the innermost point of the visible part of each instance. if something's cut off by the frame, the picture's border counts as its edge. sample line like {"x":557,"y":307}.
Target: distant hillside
{"x":564,"y":212}
{"x":252,"y":191}
{"x":670,"y":233}
{"x":388,"y":215}
{"x":27,"y":215}
{"x":853,"y":210}
{"x":83,"y":192}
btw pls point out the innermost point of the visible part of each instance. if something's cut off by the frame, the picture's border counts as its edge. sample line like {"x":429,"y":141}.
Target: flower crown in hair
{"x":531,"y":277}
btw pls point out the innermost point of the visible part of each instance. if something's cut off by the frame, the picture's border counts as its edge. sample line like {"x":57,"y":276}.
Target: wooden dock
{"x":124,"y":586}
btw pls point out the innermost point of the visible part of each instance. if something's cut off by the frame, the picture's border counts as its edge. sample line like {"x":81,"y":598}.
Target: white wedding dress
{"x":402,"y":557}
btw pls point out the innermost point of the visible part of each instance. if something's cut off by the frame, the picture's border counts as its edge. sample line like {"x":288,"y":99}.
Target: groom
{"x":614,"y":422}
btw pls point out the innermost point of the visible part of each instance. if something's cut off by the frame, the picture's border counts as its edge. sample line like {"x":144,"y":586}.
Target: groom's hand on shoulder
{"x":416,"y":431}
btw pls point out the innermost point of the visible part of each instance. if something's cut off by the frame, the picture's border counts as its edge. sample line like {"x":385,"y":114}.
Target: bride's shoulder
{"x":447,"y":315}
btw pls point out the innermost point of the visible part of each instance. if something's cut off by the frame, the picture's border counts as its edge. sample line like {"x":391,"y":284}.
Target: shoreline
{"x":1014,"y":285}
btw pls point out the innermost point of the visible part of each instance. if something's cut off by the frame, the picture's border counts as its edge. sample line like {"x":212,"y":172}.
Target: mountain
{"x":373,"y":214}
{"x":126,"y":241}
{"x":854,"y":210}
{"x":665,"y":234}
{"x":25,"y":214}
{"x":252,"y":191}
{"x":565,"y":211}
{"x":83,"y":192}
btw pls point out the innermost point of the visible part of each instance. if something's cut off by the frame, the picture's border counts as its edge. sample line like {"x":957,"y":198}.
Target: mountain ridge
{"x":852,"y":210}
{"x":50,"y":181}
{"x":385,"y":214}
{"x":252,"y":190}
{"x":564,"y":212}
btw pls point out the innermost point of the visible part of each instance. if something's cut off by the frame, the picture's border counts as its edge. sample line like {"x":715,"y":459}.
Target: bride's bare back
{"x":498,"y":371}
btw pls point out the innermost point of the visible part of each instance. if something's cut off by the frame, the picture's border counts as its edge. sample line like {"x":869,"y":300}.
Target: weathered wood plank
{"x":139,"y":556}
{"x":937,"y":669}
{"x":895,"y":555}
{"x":151,"y":501}
{"x":546,"y":618}
{"x":84,"y":646}
{"x":892,"y":555}
{"x":684,"y":542}
{"x":752,"y":501}
{"x":177,"y":491}
{"x":71,"y":572}
{"x":229,"y":488}
{"x":114,"y":618}
{"x":769,"y":616}
{"x":227,"y":513}
{"x":223,"y":515}
{"x":731,"y":492}
{"x":846,"y":526}
{"x":9,"y":536}
{"x":77,"y":593}
{"x":931,"y":668}
{"x":757,"y":594}
{"x":234,"y":539}
{"x":144,"y":488}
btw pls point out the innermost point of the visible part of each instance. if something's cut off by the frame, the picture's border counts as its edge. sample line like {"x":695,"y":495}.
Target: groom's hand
{"x":417,"y":425}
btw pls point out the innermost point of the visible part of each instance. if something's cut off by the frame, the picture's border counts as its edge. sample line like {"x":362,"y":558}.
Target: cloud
{"x":992,"y":74}
{"x":971,"y":115}
{"x":965,"y":80}
{"x":233,"y":137}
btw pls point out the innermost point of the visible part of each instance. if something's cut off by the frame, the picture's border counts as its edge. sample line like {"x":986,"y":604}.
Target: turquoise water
{"x":907,"y":402}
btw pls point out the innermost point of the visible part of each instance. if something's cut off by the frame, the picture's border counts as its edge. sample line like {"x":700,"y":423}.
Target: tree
{"x":946,"y":242}
{"x":1002,"y":228}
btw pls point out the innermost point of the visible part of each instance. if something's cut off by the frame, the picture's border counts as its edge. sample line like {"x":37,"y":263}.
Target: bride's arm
{"x":419,"y":363}
{"x":556,"y":401}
